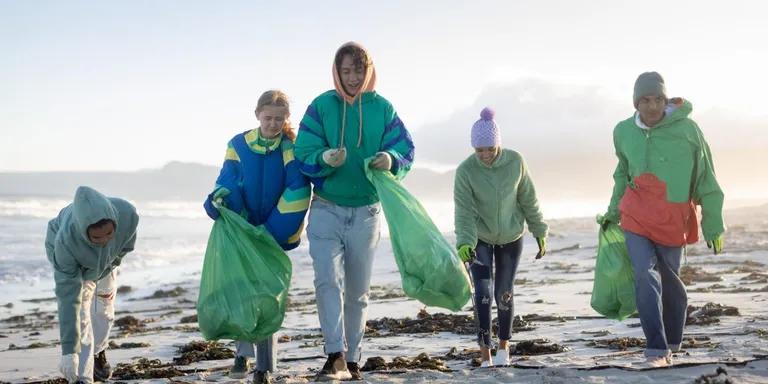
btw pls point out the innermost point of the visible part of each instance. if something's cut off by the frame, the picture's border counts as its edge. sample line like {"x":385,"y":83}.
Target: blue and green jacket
{"x":265,"y":185}
{"x":76,"y":259}
{"x":364,"y":127}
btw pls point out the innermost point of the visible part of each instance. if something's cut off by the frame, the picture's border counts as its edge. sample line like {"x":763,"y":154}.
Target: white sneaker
{"x":658,"y":361}
{"x":501,"y":358}
{"x":486,"y":364}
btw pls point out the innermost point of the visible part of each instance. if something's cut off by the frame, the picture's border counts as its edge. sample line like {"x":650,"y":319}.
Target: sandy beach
{"x":557,"y":337}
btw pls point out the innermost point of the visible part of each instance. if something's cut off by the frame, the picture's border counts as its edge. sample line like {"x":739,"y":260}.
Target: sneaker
{"x":501,"y":358}
{"x":262,"y":377}
{"x":486,"y":364}
{"x":354,"y":371}
{"x":335,"y":368}
{"x":102,"y":371}
{"x":658,"y":361}
{"x":240,"y":368}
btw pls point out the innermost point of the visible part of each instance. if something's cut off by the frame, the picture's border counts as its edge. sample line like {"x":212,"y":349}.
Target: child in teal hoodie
{"x":84,"y":244}
{"x":494,"y":196}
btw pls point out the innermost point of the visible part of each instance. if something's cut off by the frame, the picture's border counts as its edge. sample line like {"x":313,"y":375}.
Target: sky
{"x":94,"y":85}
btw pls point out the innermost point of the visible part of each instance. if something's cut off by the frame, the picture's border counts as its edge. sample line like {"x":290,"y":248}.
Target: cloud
{"x":565,"y":134}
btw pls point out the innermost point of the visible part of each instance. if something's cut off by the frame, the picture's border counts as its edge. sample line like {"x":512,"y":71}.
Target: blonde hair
{"x":277,"y":98}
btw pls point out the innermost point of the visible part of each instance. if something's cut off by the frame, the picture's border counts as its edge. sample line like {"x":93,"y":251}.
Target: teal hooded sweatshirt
{"x":76,"y":259}
{"x":492,"y":203}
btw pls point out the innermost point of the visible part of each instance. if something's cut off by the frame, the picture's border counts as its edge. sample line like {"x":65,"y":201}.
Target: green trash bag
{"x":245,"y":281}
{"x":430,"y":269}
{"x":613,"y":291}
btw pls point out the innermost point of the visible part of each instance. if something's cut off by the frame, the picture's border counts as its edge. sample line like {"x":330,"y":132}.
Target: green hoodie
{"x":76,"y":259}
{"x":667,"y":168}
{"x":492,"y":202}
{"x":322,"y":128}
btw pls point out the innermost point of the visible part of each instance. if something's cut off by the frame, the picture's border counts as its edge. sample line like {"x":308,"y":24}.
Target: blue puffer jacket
{"x":265,"y":184}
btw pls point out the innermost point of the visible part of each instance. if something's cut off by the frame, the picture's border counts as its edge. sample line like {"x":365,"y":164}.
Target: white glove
{"x":335,"y":157}
{"x":68,"y":367}
{"x":383,"y":161}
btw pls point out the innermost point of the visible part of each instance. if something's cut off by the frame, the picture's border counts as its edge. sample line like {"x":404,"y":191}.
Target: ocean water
{"x":172,"y":237}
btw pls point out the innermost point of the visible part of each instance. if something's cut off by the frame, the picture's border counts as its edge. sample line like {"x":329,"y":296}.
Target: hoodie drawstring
{"x":344,"y":122}
{"x":360,"y":124}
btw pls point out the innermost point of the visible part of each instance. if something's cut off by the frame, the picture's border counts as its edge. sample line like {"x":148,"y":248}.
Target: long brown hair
{"x":278,"y":98}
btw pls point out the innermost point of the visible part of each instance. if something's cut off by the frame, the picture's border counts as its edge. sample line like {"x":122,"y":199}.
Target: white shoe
{"x":501,"y":358}
{"x":658,"y":361}
{"x":486,"y":364}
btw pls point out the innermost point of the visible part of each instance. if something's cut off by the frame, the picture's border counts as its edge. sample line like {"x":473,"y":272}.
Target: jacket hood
{"x":89,"y":207}
{"x":369,"y":82}
{"x":677,"y":108}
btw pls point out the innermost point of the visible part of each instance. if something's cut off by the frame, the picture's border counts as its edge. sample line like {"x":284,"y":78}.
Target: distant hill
{"x":174,"y":181}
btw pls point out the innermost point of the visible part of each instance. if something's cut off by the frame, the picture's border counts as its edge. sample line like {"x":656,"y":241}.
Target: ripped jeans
{"x":506,"y":256}
{"x":96,"y":319}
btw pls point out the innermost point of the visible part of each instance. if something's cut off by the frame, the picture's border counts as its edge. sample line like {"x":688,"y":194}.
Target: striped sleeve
{"x":311,"y":143}
{"x":398,"y":143}
{"x":286,"y":221}
{"x":230,"y":178}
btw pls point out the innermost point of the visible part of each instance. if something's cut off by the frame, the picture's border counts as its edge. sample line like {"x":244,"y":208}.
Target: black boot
{"x":102,"y":371}
{"x":335,"y":368}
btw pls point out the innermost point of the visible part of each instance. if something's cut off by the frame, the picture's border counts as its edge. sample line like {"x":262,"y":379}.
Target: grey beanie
{"x":649,"y":83}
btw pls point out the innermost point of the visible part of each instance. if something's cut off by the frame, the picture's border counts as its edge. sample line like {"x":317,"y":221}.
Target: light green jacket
{"x":492,"y":202}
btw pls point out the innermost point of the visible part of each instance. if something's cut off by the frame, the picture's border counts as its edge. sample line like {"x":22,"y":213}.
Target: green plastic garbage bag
{"x":613,"y":291}
{"x":429,"y":267}
{"x":245,"y":281}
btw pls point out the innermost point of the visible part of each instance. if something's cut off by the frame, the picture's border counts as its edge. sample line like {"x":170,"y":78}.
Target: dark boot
{"x":354,"y":371}
{"x":335,"y":368}
{"x":262,"y":377}
{"x":102,"y":371}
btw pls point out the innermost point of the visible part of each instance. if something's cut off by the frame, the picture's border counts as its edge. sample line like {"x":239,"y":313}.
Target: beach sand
{"x":558,"y":338}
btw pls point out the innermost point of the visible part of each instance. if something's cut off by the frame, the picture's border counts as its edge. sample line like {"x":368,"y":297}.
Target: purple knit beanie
{"x":485,"y":132}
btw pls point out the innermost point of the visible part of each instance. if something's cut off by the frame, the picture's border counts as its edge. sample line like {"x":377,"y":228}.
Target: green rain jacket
{"x":76,"y":259}
{"x":492,"y":202}
{"x":662,"y":173}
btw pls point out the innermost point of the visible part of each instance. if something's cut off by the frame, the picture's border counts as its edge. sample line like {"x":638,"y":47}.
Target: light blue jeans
{"x":342,"y":241}
{"x":264,"y":353}
{"x":660,"y":294}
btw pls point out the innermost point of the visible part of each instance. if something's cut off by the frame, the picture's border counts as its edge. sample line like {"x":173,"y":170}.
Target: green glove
{"x":717,"y":244}
{"x":220,"y":194}
{"x":542,"y":243}
{"x":466,"y":253}
{"x":603,"y":221}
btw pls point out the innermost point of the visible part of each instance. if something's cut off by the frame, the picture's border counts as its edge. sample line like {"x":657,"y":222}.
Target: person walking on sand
{"x":85,"y":244}
{"x":340,"y":129}
{"x":260,"y":179}
{"x":494,"y":196}
{"x":664,"y":170}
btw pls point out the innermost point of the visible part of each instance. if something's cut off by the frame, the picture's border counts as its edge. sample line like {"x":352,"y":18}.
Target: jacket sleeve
{"x":311,"y":142}
{"x":620,"y":181}
{"x":69,"y":282}
{"x":229,"y":178}
{"x":529,"y":204}
{"x":130,"y":243}
{"x":398,"y":143}
{"x":50,"y":238}
{"x":707,"y":192}
{"x":465,"y":211}
{"x":285,"y":221}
